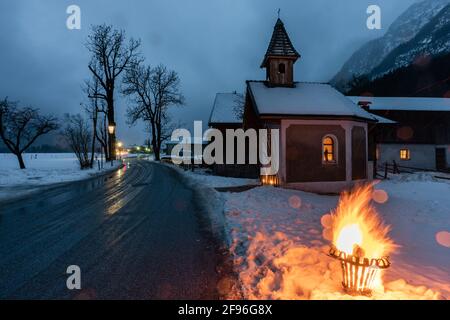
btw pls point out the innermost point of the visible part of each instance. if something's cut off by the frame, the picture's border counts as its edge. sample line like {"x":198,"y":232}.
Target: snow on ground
{"x":202,"y":176}
{"x":42,"y":170}
{"x":280,"y":248}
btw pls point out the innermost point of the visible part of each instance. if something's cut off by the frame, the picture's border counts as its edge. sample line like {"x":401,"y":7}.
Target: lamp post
{"x":112,"y":141}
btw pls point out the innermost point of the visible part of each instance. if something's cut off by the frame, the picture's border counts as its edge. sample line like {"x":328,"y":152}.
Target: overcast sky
{"x":214,"y":45}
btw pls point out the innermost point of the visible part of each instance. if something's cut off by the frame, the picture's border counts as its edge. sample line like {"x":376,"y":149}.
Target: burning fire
{"x":269,"y":180}
{"x":356,"y":224}
{"x":360,"y":240}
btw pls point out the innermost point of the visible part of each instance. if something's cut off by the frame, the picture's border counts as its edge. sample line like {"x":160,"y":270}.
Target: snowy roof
{"x":280,"y":44}
{"x":304,"y":99}
{"x":223,"y":110}
{"x":383,"y":120}
{"x":405,"y":103}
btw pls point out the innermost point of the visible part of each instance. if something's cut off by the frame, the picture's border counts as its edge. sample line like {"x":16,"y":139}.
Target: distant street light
{"x":119,"y":146}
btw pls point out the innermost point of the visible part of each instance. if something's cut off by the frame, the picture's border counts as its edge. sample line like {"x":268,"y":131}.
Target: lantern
{"x":112,"y":128}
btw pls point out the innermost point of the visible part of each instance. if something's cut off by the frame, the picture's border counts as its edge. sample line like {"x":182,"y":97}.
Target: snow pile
{"x":203,"y":177}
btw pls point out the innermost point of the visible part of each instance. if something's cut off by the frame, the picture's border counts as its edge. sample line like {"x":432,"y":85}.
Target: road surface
{"x":135,"y":234}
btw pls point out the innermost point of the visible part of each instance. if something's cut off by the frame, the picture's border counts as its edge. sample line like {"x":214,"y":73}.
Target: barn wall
{"x":423,"y":156}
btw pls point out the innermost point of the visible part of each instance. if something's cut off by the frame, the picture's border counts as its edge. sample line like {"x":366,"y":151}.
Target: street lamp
{"x":112,"y":128}
{"x":111,"y":143}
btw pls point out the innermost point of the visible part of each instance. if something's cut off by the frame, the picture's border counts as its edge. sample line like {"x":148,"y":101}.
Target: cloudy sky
{"x":214,"y":45}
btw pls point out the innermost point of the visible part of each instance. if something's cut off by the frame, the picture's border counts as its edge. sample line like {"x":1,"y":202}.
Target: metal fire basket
{"x":358,"y":273}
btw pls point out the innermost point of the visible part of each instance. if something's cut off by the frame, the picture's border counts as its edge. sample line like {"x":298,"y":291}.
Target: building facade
{"x":420,"y":136}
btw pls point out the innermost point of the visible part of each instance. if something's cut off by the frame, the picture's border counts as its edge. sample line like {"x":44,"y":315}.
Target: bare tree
{"x":21,"y":126}
{"x":79,"y":137}
{"x":110,"y":57}
{"x":152,"y":91}
{"x":96,"y":110}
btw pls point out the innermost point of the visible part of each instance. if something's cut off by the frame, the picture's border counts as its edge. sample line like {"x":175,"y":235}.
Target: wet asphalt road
{"x":135,"y":234}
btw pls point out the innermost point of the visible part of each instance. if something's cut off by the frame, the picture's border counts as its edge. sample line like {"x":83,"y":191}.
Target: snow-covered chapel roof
{"x":311,"y":99}
{"x":224,"y":109}
{"x":405,"y":103}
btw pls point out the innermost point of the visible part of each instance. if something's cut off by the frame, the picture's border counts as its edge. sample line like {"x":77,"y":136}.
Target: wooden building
{"x":419,"y":139}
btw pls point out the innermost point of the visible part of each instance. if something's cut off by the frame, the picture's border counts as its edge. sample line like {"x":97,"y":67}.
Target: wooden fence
{"x":395,"y":168}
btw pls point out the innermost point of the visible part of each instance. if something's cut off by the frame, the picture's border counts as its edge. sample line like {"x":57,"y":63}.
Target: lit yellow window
{"x":404,"y":154}
{"x":329,"y":150}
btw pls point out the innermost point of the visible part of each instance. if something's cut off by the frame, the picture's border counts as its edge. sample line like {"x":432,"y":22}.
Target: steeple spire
{"x":280,"y":57}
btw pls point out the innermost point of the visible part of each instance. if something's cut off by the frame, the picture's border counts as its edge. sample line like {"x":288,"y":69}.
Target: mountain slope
{"x":424,"y":80}
{"x":404,"y":28}
{"x":432,"y":40}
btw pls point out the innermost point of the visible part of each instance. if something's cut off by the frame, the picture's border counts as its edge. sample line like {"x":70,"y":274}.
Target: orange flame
{"x":357,"y":227}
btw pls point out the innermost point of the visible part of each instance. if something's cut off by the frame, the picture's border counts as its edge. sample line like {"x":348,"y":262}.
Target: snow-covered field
{"x":41,"y":170}
{"x":280,"y":246}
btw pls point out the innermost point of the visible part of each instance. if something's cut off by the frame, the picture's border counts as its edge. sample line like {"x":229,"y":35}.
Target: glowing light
{"x":349,"y":237}
{"x":326,"y":221}
{"x":327,"y":234}
{"x":111,"y":128}
{"x":443,"y":238}
{"x":269,"y":180}
{"x":405,"y":133}
{"x":380,"y":196}
{"x":295,"y":202}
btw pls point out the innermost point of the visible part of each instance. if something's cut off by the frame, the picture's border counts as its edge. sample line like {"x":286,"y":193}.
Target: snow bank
{"x":203,"y":177}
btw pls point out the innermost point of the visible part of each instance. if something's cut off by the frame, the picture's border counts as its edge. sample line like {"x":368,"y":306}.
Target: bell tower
{"x":280,"y":58}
